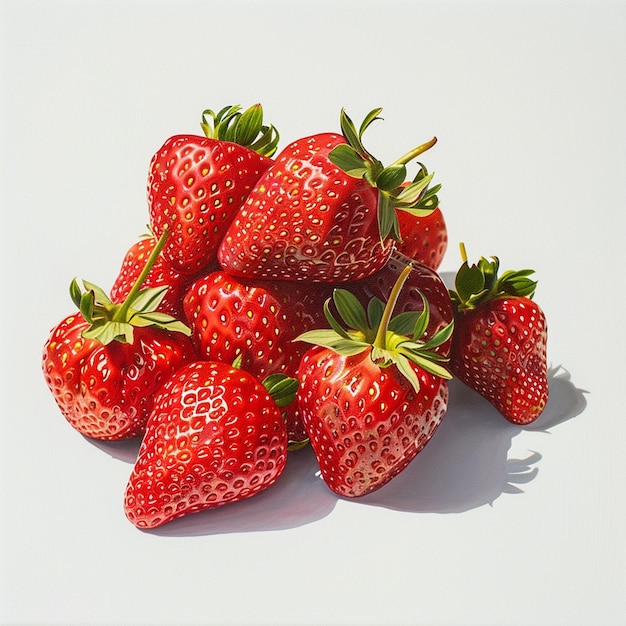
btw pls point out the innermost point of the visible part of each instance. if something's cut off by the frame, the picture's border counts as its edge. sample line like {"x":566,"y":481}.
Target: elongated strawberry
{"x":423,"y":283}
{"x":323,"y":212}
{"x":162,"y":274}
{"x":215,"y":436}
{"x":197,"y":184}
{"x":104,"y":362}
{"x":373,"y":396}
{"x":255,"y":322}
{"x":500,"y":339}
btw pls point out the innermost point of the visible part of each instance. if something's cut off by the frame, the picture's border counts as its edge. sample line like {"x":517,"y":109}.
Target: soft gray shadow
{"x":125,"y":450}
{"x":466,"y":464}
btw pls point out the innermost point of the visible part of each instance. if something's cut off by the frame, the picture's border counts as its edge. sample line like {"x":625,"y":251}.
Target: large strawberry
{"x":422,"y":283}
{"x":197,"y":184}
{"x":371,"y":397}
{"x":104,"y":363}
{"x":162,"y":274}
{"x":215,"y":436}
{"x":255,"y":322}
{"x":323,"y":212}
{"x":500,"y":338}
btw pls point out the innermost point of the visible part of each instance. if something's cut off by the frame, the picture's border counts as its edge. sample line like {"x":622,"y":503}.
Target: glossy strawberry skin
{"x":196,"y":185}
{"x":215,"y":436}
{"x":499,"y":350}
{"x":306,"y":220}
{"x":106,"y":392}
{"x":161,"y":274}
{"x":422,"y":279}
{"x":257,"y":320}
{"x":366,"y":424}
{"x":424,"y":239}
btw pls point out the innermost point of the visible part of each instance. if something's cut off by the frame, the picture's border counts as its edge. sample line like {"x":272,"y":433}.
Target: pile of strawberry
{"x":286,"y":301}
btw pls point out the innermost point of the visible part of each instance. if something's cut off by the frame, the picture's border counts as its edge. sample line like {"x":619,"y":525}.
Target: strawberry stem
{"x":463,"y":252}
{"x":380,"y":340}
{"x":412,"y":154}
{"x":121,"y":313}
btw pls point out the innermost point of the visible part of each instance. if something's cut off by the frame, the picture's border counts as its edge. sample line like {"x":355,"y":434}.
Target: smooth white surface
{"x":491,"y":524}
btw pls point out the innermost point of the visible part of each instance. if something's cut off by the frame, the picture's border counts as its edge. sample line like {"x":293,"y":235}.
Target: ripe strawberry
{"x":500,"y":337}
{"x":255,"y":322}
{"x":104,"y":363}
{"x":322,"y":212}
{"x":161,"y":275}
{"x":215,"y":436}
{"x":197,"y":184}
{"x":424,"y":234}
{"x":422,"y":283}
{"x":371,"y":398}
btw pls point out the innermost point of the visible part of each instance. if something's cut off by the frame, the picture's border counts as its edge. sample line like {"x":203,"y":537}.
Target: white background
{"x":491,"y":524}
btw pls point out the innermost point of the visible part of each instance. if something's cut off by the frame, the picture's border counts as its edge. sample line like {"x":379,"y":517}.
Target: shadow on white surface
{"x":466,"y":465}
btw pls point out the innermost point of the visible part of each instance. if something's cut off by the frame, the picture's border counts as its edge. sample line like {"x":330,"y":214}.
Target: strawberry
{"x":422,"y":282}
{"x":255,"y":322}
{"x":104,"y":362}
{"x":424,"y":231}
{"x":323,"y":212}
{"x":500,"y":338}
{"x":161,"y":275}
{"x":371,"y":397}
{"x":215,"y":436}
{"x":197,"y":184}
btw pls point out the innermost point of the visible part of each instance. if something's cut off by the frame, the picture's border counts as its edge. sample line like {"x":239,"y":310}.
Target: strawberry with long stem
{"x":104,"y":362}
{"x":372,"y":394}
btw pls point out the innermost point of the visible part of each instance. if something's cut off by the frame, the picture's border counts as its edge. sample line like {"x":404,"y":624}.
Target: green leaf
{"x":334,"y":324}
{"x":329,"y":339}
{"x":404,"y":323}
{"x":348,"y":160}
{"x":148,"y":299}
{"x":406,"y":370}
{"x":351,"y":310}
{"x":248,"y":125}
{"x":75,"y":293}
{"x":427,"y":364}
{"x":372,"y":116}
{"x":391,"y":177}
{"x":469,"y":280}
{"x":387,"y":218}
{"x":439,"y":338}
{"x":349,"y":132}
{"x":375,"y":308}
{"x":411,"y":193}
{"x":100,"y":295}
{"x":281,"y":388}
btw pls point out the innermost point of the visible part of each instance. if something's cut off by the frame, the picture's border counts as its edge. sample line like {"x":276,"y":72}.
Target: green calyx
{"x":115,"y":322}
{"x":479,"y":283}
{"x":245,"y":128}
{"x":416,"y":197}
{"x":281,"y":388}
{"x":390,"y":340}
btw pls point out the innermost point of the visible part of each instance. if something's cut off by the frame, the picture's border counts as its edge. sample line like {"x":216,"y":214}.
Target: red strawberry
{"x":322,"y":212}
{"x":422,"y":281}
{"x":215,"y":436}
{"x":197,"y":184}
{"x":161,"y":275}
{"x":104,"y":363}
{"x":256,"y":322}
{"x":424,"y":234}
{"x":371,"y":398}
{"x":424,"y":238}
{"x":500,"y":338}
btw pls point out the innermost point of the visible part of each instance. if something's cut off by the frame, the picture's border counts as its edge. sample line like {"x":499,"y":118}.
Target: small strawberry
{"x":255,"y":322}
{"x":162,"y":274}
{"x":500,"y":338}
{"x":104,"y":362}
{"x":424,"y":234}
{"x":197,"y":184}
{"x":324,"y":211}
{"x":423,"y":283}
{"x":372,"y":397}
{"x":215,"y":436}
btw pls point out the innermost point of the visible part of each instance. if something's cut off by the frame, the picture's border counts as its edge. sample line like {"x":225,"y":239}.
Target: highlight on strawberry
{"x":372,"y":395}
{"x":104,"y":363}
{"x":500,"y":338}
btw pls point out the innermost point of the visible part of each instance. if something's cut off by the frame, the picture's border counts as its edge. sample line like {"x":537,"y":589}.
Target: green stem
{"x":120,"y":313}
{"x":409,"y":156}
{"x":381,"y":335}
